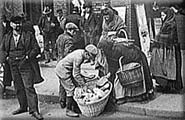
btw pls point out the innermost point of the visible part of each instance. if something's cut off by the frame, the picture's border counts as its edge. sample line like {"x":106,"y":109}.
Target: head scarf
{"x":115,"y":22}
{"x":108,"y":11}
{"x":168,"y":33}
{"x":170,"y":15}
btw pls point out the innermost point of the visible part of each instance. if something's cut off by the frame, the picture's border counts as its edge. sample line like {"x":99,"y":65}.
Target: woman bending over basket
{"x":113,"y":50}
{"x":129,"y":53}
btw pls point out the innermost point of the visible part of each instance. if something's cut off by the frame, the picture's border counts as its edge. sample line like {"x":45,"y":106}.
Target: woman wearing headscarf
{"x":166,"y":56}
{"x":111,"y":22}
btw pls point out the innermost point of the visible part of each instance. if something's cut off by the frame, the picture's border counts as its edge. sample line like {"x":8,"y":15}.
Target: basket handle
{"x":120,"y":65}
{"x":122,"y":30}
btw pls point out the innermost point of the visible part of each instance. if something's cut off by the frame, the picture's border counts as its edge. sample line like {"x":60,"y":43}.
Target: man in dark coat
{"x":48,"y":25}
{"x":20,"y":49}
{"x":61,"y":19}
{"x":90,"y":25}
{"x":65,"y":45}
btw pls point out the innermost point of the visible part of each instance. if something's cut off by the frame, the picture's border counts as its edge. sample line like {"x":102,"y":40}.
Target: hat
{"x":91,"y":49}
{"x":71,"y":25}
{"x":47,"y":10}
{"x":16,"y":19}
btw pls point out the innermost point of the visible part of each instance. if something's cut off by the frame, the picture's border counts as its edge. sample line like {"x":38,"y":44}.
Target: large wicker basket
{"x":94,"y":109}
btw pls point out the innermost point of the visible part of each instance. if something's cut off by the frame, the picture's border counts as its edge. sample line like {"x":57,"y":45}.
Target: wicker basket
{"x":130,"y":75}
{"x":94,"y":109}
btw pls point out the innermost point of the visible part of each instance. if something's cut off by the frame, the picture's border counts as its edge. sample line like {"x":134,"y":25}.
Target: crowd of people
{"x":75,"y":39}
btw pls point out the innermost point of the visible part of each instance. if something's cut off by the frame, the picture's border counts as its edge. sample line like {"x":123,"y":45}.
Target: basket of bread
{"x":93,"y":98}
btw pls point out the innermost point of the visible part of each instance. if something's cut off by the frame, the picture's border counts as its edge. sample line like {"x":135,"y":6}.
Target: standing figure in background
{"x":75,"y":18}
{"x":48,"y":25}
{"x":65,"y":45}
{"x":90,"y":25}
{"x":166,"y":56}
{"x":61,"y":19}
{"x":107,"y":4}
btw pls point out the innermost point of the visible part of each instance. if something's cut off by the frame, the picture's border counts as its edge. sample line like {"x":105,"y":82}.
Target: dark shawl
{"x":168,"y":31}
{"x":113,"y":51}
{"x":114,"y":24}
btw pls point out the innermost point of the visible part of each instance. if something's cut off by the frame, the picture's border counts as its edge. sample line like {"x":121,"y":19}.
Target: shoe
{"x":19,"y":111}
{"x":62,"y":104}
{"x":37,"y":115}
{"x":70,"y":113}
{"x":151,"y":96}
{"x":121,"y":101}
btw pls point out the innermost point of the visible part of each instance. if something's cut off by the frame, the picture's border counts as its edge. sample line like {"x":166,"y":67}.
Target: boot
{"x":69,"y":111}
{"x":47,"y":57}
{"x":75,"y":108}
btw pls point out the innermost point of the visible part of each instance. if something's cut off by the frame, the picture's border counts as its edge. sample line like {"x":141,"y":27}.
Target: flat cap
{"x":71,"y":25}
{"x":91,"y":49}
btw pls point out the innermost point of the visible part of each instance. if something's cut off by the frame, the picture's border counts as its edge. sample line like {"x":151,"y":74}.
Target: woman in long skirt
{"x":166,"y":56}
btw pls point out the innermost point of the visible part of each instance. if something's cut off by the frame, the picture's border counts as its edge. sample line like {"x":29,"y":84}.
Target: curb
{"x":135,"y":108}
{"x":150,"y":112}
{"x":146,"y":109}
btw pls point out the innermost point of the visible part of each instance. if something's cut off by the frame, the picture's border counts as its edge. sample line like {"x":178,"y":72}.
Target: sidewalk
{"x":164,"y":105}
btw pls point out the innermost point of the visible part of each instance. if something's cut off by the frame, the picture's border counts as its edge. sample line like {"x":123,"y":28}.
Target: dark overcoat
{"x":31,"y":50}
